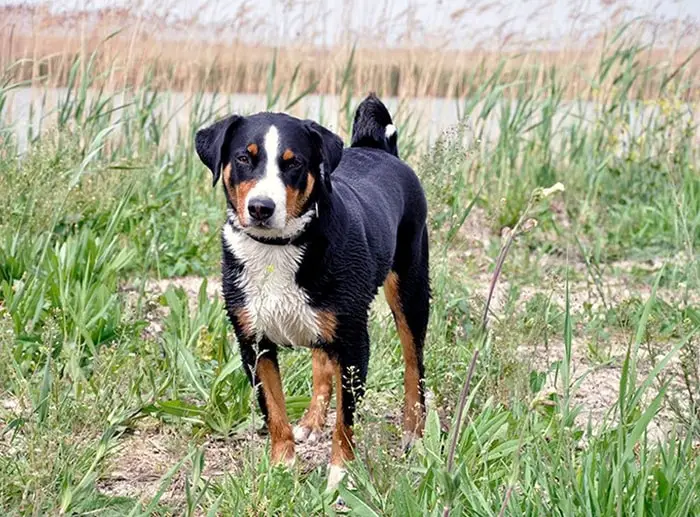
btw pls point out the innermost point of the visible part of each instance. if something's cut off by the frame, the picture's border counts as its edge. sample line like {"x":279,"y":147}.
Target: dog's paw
{"x":283,"y":454}
{"x":303,"y":433}
{"x":290,"y":462}
{"x":336,"y":474}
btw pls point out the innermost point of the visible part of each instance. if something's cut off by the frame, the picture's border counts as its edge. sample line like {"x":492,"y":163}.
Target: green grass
{"x":97,"y":208}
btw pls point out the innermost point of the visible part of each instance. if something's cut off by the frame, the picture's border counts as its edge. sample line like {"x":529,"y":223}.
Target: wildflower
{"x":557,"y":187}
{"x":529,"y":225}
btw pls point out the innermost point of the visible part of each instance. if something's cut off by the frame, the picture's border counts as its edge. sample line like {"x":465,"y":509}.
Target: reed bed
{"x":137,"y":47}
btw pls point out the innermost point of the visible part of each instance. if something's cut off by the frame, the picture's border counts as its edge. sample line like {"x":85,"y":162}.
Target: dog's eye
{"x":291,"y":164}
{"x":243,"y":159}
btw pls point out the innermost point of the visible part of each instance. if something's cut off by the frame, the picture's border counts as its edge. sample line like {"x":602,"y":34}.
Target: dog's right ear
{"x":211,"y":143}
{"x":330,"y":148}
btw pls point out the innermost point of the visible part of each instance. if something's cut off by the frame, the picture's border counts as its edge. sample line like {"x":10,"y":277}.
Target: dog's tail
{"x":373,"y":126}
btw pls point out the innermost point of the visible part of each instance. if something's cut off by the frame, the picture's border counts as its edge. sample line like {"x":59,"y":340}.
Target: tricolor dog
{"x":313,"y":230}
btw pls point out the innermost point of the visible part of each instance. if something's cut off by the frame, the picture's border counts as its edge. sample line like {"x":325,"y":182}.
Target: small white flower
{"x":557,"y":187}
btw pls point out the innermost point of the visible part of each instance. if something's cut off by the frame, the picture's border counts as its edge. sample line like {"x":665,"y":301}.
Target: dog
{"x":313,"y":230}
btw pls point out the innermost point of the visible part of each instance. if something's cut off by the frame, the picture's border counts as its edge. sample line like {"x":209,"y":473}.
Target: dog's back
{"x":388,"y":194}
{"x":373,"y":127}
{"x":380,"y":193}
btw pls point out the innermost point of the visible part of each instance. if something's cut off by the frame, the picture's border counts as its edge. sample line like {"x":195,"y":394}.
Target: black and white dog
{"x":313,"y":230}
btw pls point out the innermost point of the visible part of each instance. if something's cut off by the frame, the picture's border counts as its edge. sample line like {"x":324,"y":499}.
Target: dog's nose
{"x":261,"y":208}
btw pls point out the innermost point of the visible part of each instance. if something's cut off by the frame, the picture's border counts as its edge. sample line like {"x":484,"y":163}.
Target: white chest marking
{"x":278,"y":308}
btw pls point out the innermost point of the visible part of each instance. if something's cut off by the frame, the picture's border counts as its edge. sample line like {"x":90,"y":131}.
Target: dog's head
{"x":274,"y":167}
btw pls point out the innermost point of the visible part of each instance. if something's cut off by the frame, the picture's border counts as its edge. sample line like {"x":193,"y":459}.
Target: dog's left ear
{"x":330,"y":148}
{"x":210,"y":143}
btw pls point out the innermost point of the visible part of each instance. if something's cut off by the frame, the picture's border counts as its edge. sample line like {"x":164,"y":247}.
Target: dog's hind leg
{"x":350,"y":376}
{"x":407,"y":290}
{"x":310,"y":427}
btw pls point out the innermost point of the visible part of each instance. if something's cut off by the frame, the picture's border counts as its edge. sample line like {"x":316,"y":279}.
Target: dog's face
{"x":274,"y":167}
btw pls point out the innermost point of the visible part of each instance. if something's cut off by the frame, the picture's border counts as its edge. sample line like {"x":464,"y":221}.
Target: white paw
{"x":300,"y":433}
{"x":336,"y":474}
{"x":305,"y":434}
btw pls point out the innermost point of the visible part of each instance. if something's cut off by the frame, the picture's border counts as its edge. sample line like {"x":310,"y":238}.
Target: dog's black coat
{"x":375,"y":223}
{"x":371,"y":220}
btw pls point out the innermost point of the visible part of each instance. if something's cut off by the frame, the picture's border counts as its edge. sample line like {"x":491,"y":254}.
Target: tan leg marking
{"x":327,"y":323}
{"x":281,"y":437}
{"x":341,"y":449}
{"x":311,"y":425}
{"x":245,"y":321}
{"x":413,"y":417}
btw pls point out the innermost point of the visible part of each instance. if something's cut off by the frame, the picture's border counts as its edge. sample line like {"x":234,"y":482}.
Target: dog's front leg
{"x":310,"y":427}
{"x":268,"y":384}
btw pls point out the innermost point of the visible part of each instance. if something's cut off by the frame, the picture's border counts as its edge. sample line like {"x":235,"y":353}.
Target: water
{"x":29,"y":111}
{"x":36,"y":109}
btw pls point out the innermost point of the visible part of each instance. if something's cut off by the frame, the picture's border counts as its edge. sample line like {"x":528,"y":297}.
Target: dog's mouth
{"x":259,"y":224}
{"x":265,"y":229}
{"x":262,"y":227}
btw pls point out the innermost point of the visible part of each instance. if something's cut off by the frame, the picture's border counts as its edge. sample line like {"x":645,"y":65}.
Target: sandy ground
{"x":145,"y":455}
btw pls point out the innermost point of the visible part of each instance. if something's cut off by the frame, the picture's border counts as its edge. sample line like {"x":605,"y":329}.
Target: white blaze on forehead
{"x":271,"y":185}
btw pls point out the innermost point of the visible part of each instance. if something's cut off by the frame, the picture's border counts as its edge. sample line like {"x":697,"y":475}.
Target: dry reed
{"x":139,"y":47}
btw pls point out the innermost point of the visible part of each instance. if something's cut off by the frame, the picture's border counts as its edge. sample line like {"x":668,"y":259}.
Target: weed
{"x":104,"y":199}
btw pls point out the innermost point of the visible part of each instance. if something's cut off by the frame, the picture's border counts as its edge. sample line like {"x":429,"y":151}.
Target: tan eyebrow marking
{"x":253,"y":149}
{"x":287,"y":155}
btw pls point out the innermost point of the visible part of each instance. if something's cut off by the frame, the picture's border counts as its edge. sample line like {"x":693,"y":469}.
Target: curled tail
{"x":373,"y":126}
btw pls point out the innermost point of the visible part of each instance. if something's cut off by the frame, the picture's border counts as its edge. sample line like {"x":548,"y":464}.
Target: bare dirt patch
{"x":598,"y":389}
{"x":144,"y":456}
{"x":141,"y":459}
